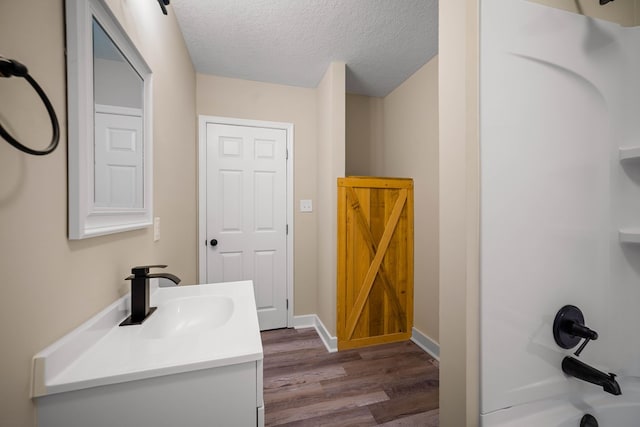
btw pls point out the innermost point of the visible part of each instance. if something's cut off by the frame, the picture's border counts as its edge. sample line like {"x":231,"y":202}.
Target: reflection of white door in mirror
{"x":118,"y":157}
{"x":110,"y":123}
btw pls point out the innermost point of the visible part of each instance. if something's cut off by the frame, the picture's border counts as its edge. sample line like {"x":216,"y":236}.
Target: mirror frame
{"x":85,"y":219}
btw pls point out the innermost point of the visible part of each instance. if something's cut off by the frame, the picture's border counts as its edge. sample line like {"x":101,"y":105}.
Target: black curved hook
{"x":163,"y":4}
{"x":10,"y":68}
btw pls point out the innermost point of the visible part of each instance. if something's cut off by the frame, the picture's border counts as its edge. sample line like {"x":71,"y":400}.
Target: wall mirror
{"x":109,"y":117}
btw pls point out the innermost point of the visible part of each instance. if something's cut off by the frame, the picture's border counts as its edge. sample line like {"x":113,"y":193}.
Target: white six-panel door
{"x":119,"y":162}
{"x":246,"y":215}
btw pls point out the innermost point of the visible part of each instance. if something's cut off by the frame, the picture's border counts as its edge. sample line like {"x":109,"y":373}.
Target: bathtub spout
{"x":575,"y":368}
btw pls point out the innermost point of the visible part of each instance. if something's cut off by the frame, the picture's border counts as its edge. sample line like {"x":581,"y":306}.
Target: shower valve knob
{"x":569,"y":328}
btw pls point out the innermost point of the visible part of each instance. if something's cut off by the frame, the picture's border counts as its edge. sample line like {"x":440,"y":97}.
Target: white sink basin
{"x":188,"y":316}
{"x":194,"y":327}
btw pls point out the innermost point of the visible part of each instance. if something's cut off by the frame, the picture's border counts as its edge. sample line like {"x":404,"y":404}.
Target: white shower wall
{"x":560,"y":94}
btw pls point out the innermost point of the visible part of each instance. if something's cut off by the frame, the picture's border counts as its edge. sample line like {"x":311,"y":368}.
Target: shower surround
{"x":560,"y":199}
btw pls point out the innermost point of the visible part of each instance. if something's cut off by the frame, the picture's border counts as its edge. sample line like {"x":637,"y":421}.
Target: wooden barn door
{"x":375,"y":261}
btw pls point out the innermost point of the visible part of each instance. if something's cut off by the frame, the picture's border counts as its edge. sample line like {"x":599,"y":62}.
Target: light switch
{"x":306,"y":206}
{"x":156,"y":229}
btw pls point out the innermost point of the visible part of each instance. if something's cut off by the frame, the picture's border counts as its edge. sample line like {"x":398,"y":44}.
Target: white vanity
{"x":197,"y":361}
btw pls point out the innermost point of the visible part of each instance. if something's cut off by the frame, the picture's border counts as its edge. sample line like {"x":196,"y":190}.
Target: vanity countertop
{"x":100,"y":352}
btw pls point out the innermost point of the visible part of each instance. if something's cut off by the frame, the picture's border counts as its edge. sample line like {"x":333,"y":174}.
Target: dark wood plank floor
{"x":304,"y":385}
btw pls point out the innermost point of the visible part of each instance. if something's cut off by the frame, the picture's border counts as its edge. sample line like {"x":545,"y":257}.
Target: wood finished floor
{"x":386,"y":385}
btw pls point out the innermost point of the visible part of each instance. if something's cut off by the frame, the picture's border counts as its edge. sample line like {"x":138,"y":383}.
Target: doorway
{"x":246,"y":210}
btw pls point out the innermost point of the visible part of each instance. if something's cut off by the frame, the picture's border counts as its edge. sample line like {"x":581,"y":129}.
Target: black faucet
{"x":568,"y":330}
{"x":575,"y":368}
{"x":140,"y":276}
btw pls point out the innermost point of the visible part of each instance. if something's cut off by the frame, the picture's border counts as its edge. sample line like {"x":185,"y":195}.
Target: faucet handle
{"x":143,"y":270}
{"x":584,"y":344}
{"x":569,"y":328}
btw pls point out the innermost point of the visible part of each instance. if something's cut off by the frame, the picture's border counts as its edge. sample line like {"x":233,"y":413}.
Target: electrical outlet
{"x":156,"y":229}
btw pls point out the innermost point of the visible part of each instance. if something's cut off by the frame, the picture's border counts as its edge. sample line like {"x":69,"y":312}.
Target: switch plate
{"x":156,"y":229}
{"x":306,"y":206}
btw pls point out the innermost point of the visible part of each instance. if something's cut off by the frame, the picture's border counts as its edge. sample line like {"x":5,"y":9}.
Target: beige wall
{"x":407,"y":120}
{"x":459,"y":213}
{"x":364,"y":135}
{"x":331,"y":163}
{"x":411,"y":150}
{"x":51,"y":284}
{"x":623,"y":12}
{"x":220,"y":96}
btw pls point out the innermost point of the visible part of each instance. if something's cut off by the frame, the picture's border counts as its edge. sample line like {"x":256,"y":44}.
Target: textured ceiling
{"x":292,"y":42}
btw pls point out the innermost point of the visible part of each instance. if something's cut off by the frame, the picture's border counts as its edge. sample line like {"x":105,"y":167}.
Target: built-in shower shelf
{"x":630,"y":153}
{"x":629,"y":235}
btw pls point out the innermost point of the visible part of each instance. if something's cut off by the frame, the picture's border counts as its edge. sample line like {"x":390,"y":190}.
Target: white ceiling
{"x":292,"y":42}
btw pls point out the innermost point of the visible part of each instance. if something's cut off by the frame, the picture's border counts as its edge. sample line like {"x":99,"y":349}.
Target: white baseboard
{"x":331,"y":342}
{"x":313,"y":321}
{"x":304,"y":321}
{"x":426,"y":343}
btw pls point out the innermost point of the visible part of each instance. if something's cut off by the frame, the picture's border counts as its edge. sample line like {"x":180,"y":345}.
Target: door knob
{"x":213,"y":242}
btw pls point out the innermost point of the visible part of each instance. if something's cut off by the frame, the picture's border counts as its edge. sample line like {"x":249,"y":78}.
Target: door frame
{"x":203,"y":121}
